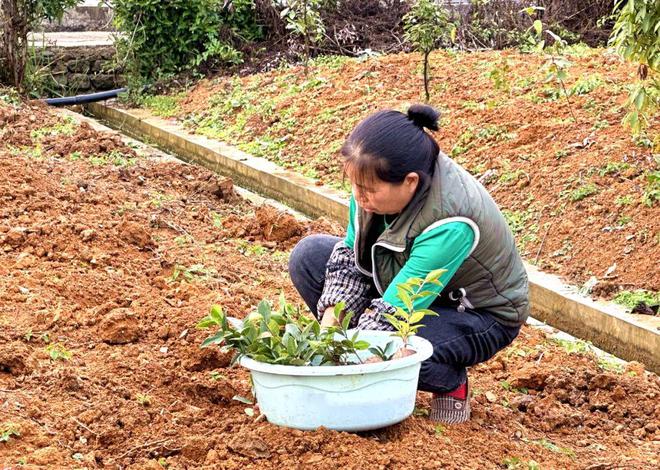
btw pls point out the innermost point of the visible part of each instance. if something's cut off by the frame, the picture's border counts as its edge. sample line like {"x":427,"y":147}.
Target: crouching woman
{"x":414,"y":210}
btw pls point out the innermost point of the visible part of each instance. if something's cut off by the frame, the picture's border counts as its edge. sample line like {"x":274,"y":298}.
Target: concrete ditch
{"x":606,"y":325}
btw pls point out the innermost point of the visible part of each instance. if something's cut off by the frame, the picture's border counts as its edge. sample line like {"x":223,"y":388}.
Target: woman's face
{"x":381,"y":197}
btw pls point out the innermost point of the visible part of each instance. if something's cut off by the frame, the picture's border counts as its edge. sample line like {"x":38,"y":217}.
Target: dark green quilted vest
{"x":493,"y":275}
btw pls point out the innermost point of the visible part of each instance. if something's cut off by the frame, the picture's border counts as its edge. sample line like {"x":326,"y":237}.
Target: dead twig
{"x":538,"y":253}
{"x":142,"y":446}
{"x":84,"y":426}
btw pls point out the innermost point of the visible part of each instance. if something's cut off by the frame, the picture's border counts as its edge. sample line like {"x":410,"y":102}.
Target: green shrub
{"x":163,"y":38}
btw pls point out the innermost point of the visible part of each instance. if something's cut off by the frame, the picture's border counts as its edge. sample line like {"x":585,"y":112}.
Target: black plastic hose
{"x":82,"y":99}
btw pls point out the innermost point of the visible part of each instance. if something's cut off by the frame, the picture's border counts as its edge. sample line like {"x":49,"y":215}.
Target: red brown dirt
{"x":89,"y":256}
{"x":536,"y":151}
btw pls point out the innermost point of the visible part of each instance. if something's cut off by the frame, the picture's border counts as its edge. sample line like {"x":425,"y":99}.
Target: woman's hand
{"x":329,"y":318}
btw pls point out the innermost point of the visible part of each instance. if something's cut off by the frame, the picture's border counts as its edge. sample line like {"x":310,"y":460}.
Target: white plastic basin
{"x":344,"y":398}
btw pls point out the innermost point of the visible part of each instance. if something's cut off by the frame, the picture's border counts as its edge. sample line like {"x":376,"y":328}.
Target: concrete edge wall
{"x":607,"y":326}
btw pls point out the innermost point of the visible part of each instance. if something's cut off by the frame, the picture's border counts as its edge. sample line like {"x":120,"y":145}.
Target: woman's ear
{"x":411,"y":181}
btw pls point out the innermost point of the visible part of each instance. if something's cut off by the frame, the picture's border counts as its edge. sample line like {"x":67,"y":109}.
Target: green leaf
{"x":216,"y":314}
{"x":434,"y":275}
{"x":215,"y":339}
{"x":427,"y":311}
{"x":347,"y":321}
{"x":264,"y":309}
{"x":339,"y":308}
{"x":361,"y":345}
{"x":538,"y":27}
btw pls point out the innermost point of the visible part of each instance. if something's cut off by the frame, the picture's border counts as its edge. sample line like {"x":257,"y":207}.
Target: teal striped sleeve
{"x":349,"y":241}
{"x":444,"y":247}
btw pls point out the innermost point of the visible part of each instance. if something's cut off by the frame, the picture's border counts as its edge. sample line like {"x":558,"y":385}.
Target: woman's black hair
{"x":389,"y":144}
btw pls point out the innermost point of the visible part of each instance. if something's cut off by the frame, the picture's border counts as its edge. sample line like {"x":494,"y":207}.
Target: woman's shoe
{"x":452,"y":407}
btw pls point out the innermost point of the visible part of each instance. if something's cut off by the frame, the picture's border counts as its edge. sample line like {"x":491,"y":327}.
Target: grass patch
{"x":67,"y":127}
{"x":582,"y":192}
{"x":631,"y":299}
{"x":162,"y":105}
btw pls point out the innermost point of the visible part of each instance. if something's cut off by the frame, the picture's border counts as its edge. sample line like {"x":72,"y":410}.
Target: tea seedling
{"x":406,"y":322}
{"x":284,"y":336}
{"x":7,"y":431}
{"x":57,"y":351}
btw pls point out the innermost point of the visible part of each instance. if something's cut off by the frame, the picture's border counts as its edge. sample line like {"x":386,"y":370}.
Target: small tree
{"x":426,"y":25}
{"x":636,"y":38}
{"x":303,"y":18}
{"x":18,"y":18}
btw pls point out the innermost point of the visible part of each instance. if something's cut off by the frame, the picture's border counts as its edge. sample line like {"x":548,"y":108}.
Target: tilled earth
{"x":107,"y":261}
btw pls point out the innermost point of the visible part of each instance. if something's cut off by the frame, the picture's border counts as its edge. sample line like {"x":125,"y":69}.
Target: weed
{"x":613,"y":168}
{"x":623,"y":220}
{"x":251,"y":249}
{"x":585,"y":84}
{"x":217,"y":219}
{"x":183,"y":240}
{"x":499,"y":75}
{"x":515,"y":463}
{"x":600,"y":124}
{"x":422,"y":412}
{"x":439,"y":429}
{"x":196,"y":272}
{"x":67,"y":127}
{"x":552,"y":447}
{"x":329,"y":61}
{"x":165,"y":106}
{"x":582,"y":192}
{"x":651,"y":193}
{"x":143,"y":399}
{"x":57,"y":351}
{"x":611,"y":364}
{"x":157,"y":199}
{"x":10,"y":96}
{"x":631,"y":299}
{"x":115,"y":158}
{"x":215,"y":375}
{"x":625,"y":200}
{"x":559,"y":154}
{"x":507,"y":386}
{"x":7,"y":430}
{"x":572,"y":346}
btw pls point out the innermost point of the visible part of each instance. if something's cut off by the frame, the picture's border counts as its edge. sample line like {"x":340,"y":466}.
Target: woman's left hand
{"x":329,"y":318}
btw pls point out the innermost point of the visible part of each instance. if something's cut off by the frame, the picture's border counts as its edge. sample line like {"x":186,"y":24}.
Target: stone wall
{"x":78,"y":70}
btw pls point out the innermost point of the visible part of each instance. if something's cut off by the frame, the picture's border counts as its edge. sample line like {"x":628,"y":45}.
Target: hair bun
{"x":423,"y":115}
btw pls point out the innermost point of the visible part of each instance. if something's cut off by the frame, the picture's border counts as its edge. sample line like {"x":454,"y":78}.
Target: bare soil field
{"x":107,"y":261}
